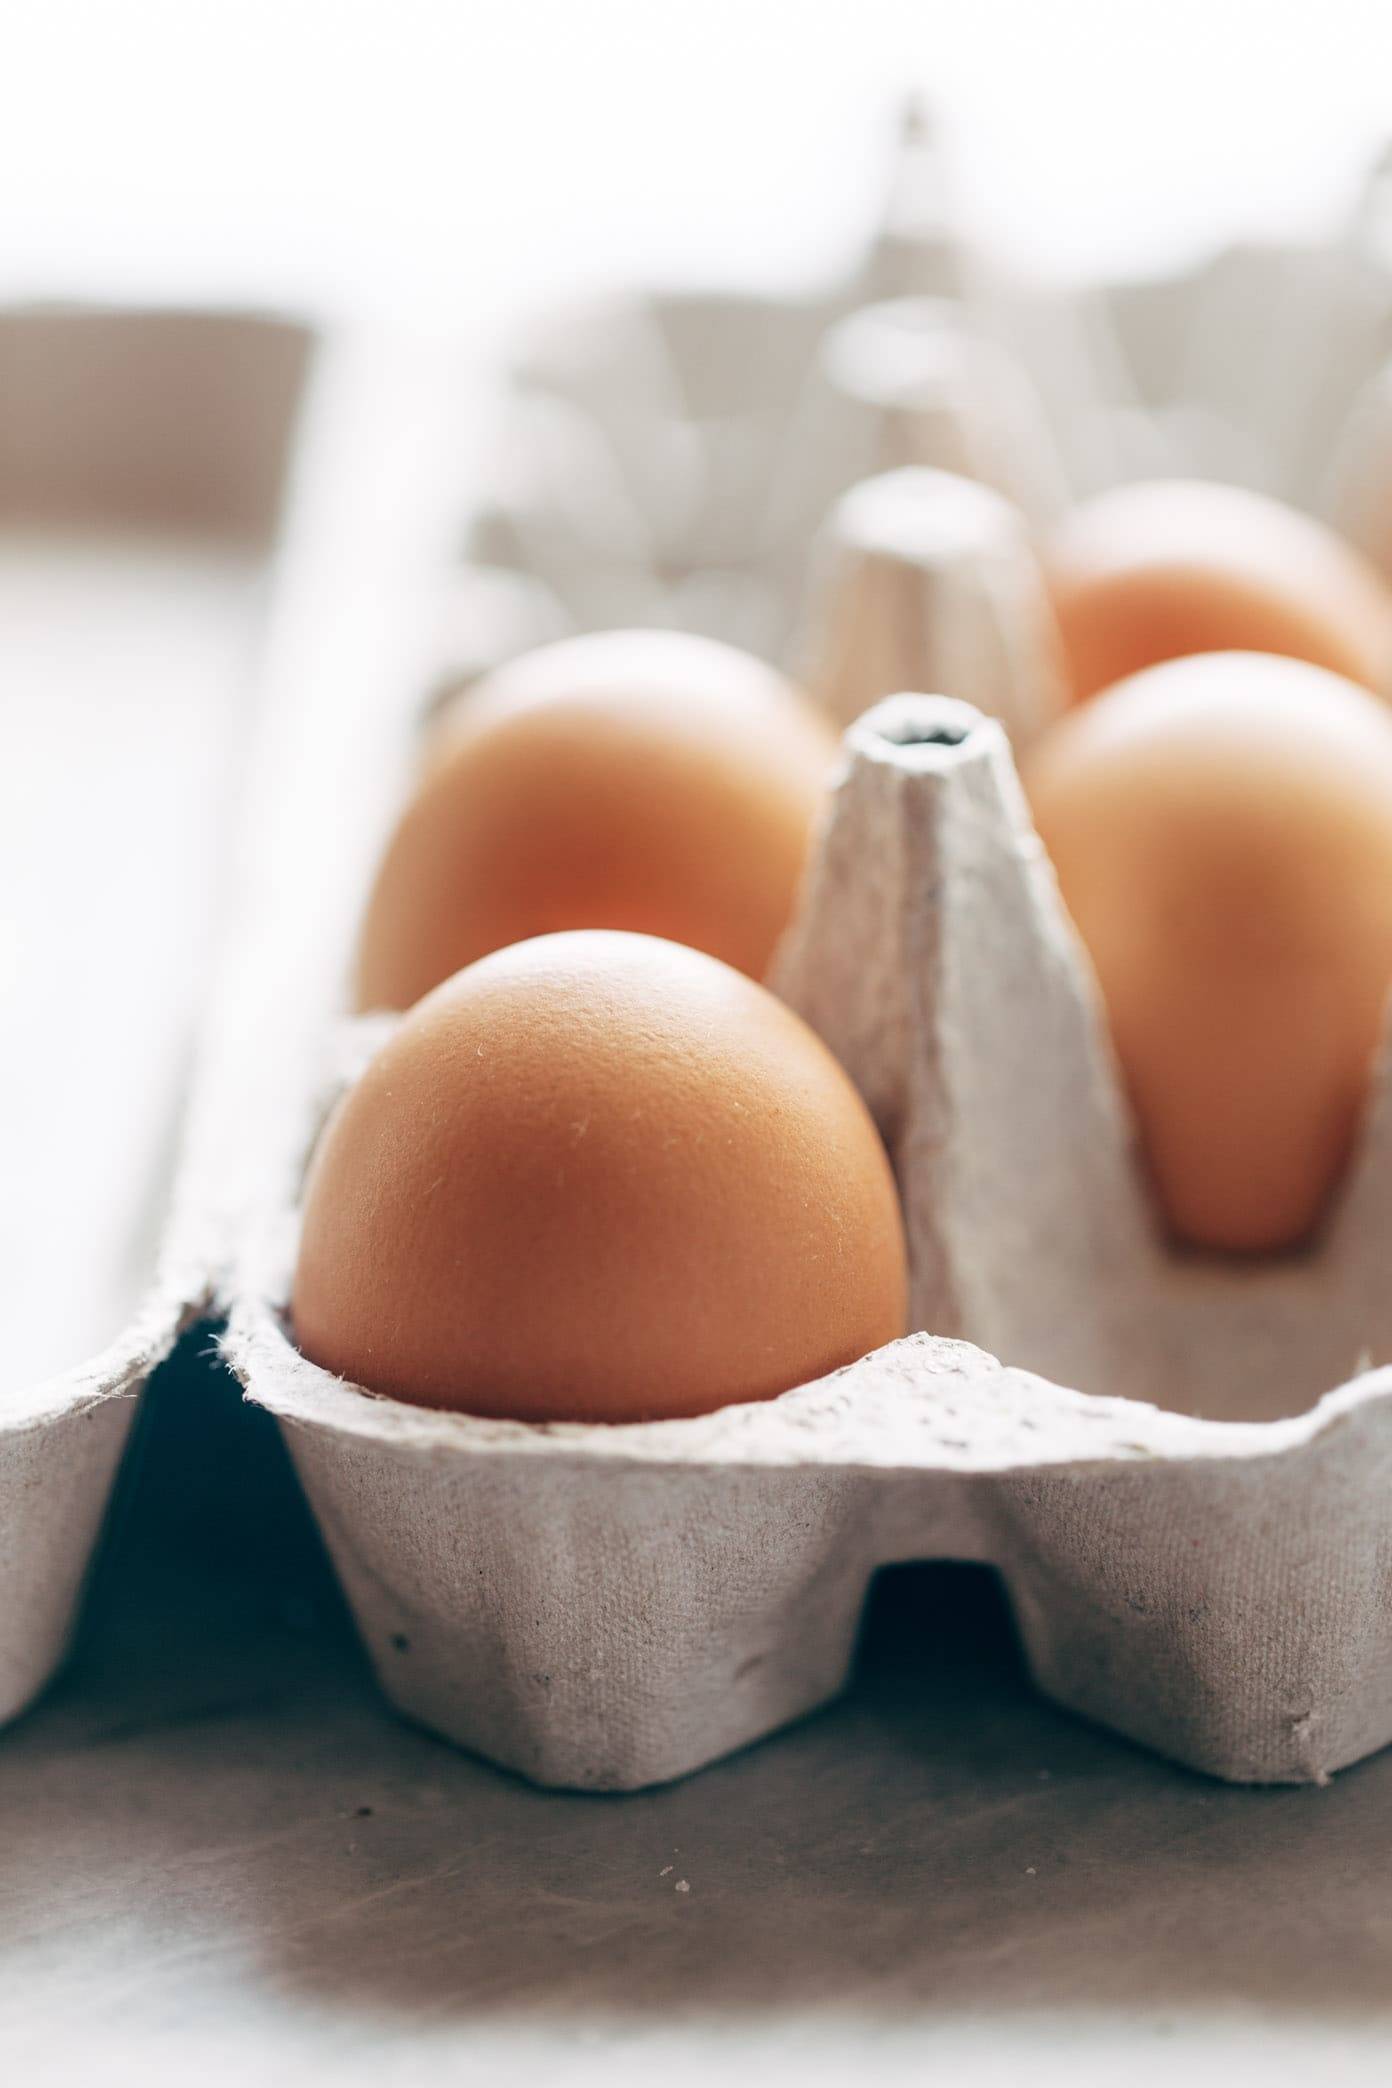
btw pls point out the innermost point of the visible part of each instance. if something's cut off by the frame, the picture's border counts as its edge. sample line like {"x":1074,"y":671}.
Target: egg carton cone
{"x":920,"y":248}
{"x":922,"y":576}
{"x":933,"y":953}
{"x":935,"y":388}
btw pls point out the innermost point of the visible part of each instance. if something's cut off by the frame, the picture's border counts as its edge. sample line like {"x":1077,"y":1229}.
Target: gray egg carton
{"x":607,"y":1607}
{"x":142,"y":458}
{"x":1180,"y":1469}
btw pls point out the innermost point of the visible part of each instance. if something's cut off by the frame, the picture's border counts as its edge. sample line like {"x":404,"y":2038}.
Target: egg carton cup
{"x":604,"y":1608}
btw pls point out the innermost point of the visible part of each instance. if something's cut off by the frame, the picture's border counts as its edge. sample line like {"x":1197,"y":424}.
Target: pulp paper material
{"x":141,"y":459}
{"x":923,"y":578}
{"x":669,"y":461}
{"x":59,"y":1448}
{"x":1190,"y":1521}
{"x":1356,"y":487}
{"x":665,"y":462}
{"x":939,"y":391}
{"x":133,"y":550}
{"x":932,"y":951}
{"x":920,"y":250}
{"x":728,"y":425}
{"x":609,"y":1607}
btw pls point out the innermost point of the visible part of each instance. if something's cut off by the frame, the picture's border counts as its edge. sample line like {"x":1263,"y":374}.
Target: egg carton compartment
{"x":605,"y":1608}
{"x":142,"y":456}
{"x":1177,"y":1466}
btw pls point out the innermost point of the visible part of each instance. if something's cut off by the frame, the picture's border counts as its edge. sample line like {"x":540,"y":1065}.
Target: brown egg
{"x":644,"y":780}
{"x":1222,"y":832}
{"x":598,"y":1177}
{"x":1154,"y":571}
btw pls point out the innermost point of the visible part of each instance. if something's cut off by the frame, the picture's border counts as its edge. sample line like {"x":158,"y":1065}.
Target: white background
{"x":436,"y":155}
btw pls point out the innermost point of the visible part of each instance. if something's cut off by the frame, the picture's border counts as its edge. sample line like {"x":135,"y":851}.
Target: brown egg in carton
{"x":142,"y":456}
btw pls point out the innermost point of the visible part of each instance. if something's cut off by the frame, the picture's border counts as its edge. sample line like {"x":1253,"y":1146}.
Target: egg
{"x":1153,"y":571}
{"x":1221,"y":828}
{"x":598,"y":1177}
{"x":640,"y":780}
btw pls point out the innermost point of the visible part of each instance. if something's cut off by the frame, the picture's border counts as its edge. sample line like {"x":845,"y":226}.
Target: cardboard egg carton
{"x":607,"y":1607}
{"x":141,"y":461}
{"x":920,"y":577}
{"x":1179,"y":1467}
{"x":60,"y":1445}
{"x":713,"y":432}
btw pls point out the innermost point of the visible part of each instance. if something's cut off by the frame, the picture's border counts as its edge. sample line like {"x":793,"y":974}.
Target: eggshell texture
{"x":1153,"y":571}
{"x":598,"y":1177}
{"x":641,"y":780}
{"x":1222,"y":832}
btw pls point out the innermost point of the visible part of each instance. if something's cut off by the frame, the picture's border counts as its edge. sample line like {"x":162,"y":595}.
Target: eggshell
{"x":640,"y":780}
{"x":1152,"y":571}
{"x":598,"y":1177}
{"x":1222,"y":832}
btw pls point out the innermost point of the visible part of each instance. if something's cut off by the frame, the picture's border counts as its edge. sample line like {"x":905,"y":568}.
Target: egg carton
{"x":166,"y":431}
{"x":671,"y":459}
{"x":60,"y":1445}
{"x":611,"y":1606}
{"x":1189,"y":1520}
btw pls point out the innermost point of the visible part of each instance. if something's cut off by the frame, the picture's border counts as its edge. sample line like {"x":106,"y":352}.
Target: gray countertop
{"x":222,"y":1858}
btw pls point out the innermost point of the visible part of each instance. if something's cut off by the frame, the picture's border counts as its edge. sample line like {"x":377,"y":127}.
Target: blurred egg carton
{"x":671,"y":458}
{"x":143,"y":455}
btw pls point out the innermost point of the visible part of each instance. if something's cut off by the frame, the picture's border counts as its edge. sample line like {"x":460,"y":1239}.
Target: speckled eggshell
{"x":598,"y":1177}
